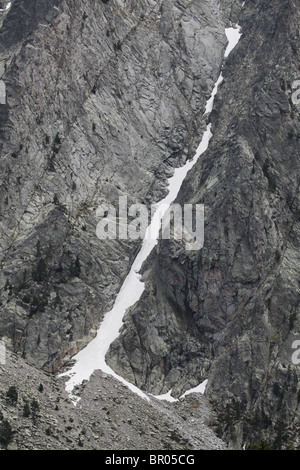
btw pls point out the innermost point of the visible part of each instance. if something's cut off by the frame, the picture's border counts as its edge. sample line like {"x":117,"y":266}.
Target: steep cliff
{"x":103,"y":100}
{"x":229,"y":313}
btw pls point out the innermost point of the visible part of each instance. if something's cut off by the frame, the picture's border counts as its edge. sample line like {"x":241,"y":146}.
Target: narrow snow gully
{"x":92,"y":357}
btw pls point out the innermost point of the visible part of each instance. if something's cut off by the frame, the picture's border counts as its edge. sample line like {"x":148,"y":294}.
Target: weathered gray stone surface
{"x":230,"y":312}
{"x":103,"y":101}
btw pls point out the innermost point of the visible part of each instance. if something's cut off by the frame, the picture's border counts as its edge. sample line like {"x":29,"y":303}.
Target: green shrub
{"x":75,"y":268}
{"x":35,"y":408}
{"x":5,"y":433}
{"x":40,"y":274}
{"x":263,"y":445}
{"x":12,"y":395}
{"x":26,"y":410}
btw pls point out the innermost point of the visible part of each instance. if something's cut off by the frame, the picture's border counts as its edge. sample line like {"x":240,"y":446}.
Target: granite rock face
{"x":103,"y":99}
{"x":230,"y":312}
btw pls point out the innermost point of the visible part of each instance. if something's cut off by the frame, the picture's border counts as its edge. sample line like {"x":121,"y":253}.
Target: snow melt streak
{"x":92,"y":357}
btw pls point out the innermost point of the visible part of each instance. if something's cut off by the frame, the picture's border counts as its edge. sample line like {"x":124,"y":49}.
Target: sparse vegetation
{"x":56,"y":142}
{"x":118,"y":46}
{"x":263,"y":445}
{"x":26,"y":410}
{"x":277,"y":390}
{"x":12,"y":395}
{"x":59,"y":204}
{"x":270,"y":178}
{"x":75,"y":268}
{"x":48,"y":432}
{"x":35,"y":408}
{"x":38,"y":304}
{"x":5,"y":433}
{"x":40,"y":273}
{"x":55,"y":149}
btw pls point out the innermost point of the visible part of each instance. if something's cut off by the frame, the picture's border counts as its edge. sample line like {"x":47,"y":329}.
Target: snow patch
{"x":166,"y":397}
{"x":233,"y":37}
{"x":210,"y":102}
{"x":199,"y":389}
{"x":6,"y":8}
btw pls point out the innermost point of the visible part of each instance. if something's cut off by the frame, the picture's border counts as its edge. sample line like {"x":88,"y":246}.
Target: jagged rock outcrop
{"x":103,"y":100}
{"x":230,"y":312}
